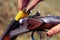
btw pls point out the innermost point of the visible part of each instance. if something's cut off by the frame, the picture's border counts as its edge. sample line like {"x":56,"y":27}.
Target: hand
{"x":54,"y":30}
{"x":23,"y":4}
{"x":35,"y":23}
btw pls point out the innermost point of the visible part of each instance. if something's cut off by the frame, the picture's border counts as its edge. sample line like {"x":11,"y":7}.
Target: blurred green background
{"x":8,"y":10}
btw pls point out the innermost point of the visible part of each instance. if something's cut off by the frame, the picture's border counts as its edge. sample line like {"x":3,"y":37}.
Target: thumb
{"x":54,"y":30}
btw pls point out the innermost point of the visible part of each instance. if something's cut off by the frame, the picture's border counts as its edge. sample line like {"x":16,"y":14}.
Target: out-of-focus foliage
{"x":8,"y":9}
{"x":48,"y":7}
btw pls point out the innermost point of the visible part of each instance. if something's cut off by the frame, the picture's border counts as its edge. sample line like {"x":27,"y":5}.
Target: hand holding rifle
{"x":34,"y":23}
{"x":22,"y":3}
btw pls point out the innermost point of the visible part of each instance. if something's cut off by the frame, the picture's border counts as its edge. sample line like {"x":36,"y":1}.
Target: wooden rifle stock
{"x":13,"y":25}
{"x":46,"y":22}
{"x":7,"y":37}
{"x":34,"y":23}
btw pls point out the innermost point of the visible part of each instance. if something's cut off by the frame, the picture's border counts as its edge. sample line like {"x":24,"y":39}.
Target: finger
{"x":20,"y":4}
{"x":54,"y":30}
{"x":25,"y":3}
{"x":33,"y":4}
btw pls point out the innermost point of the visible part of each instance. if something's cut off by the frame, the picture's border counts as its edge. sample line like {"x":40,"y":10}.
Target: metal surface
{"x":22,"y":29}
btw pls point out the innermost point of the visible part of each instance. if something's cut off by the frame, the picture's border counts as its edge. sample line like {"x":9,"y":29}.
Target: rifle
{"x":31,"y":23}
